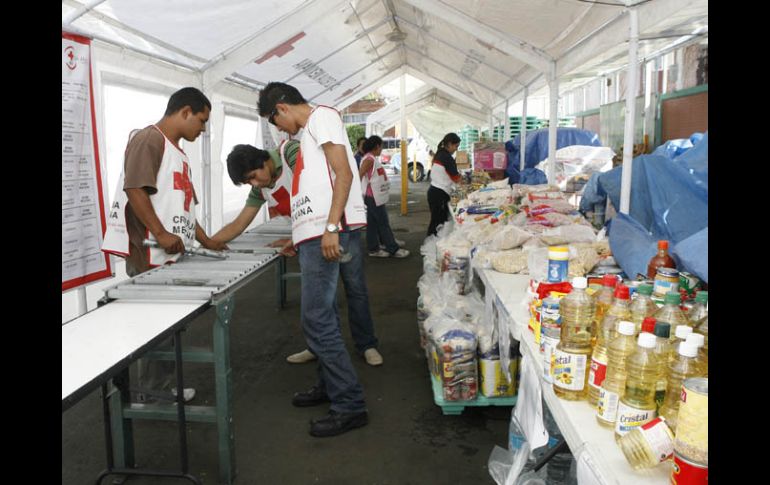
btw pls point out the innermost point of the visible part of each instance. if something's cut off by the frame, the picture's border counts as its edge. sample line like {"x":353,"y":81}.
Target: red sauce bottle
{"x":660,"y":259}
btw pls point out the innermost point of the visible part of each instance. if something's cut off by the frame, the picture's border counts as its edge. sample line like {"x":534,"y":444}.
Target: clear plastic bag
{"x":509,"y":237}
{"x":505,"y":466}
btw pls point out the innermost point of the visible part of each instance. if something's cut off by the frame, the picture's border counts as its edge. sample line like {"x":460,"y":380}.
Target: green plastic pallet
{"x":455,"y":408}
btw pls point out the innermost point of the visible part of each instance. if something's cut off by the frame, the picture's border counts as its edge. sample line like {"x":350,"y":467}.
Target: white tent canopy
{"x":474,"y":55}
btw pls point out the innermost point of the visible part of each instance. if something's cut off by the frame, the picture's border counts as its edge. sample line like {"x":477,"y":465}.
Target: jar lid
{"x":668,"y":272}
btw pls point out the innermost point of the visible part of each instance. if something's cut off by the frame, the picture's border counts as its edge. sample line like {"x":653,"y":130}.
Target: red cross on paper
{"x":182,"y":182}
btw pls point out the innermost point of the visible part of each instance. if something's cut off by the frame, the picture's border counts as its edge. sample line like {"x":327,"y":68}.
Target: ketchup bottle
{"x":661,"y":259}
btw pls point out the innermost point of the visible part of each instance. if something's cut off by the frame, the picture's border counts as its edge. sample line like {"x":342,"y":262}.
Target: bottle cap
{"x":688,"y":349}
{"x":673,"y":297}
{"x":579,"y":282}
{"x":644,"y":289}
{"x":609,"y":280}
{"x":663,"y":244}
{"x":647,"y":340}
{"x":626,"y":328}
{"x":702,"y":297}
{"x":682,"y":331}
{"x":695,"y":338}
{"x":621,"y":291}
{"x":662,"y":329}
{"x":648,"y":325}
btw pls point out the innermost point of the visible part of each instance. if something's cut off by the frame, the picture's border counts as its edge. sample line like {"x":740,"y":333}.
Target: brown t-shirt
{"x":143,"y":157}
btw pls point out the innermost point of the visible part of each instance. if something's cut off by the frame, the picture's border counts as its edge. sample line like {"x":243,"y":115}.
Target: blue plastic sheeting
{"x":537,"y":147}
{"x":530,"y":176}
{"x":669,"y":200}
{"x":592,"y":194}
{"x":674,"y":148}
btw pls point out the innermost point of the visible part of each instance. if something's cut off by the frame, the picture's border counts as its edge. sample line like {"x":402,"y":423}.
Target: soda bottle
{"x":685,"y":365}
{"x":671,"y":313}
{"x":637,"y":406}
{"x":699,"y":310}
{"x":619,"y":349}
{"x":642,"y":306}
{"x":663,"y":350}
{"x":660,"y":259}
{"x":603,"y":300}
{"x":569,"y":361}
{"x":607,"y":331}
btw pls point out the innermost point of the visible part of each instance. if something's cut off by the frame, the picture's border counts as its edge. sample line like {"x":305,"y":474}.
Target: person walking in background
{"x":359,"y":150}
{"x":374,"y":183}
{"x":444,"y":176}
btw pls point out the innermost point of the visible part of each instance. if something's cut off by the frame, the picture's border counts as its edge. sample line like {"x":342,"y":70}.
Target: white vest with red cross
{"x":312,"y":187}
{"x":279,"y":196}
{"x":378,"y":181}
{"x":174,"y":204}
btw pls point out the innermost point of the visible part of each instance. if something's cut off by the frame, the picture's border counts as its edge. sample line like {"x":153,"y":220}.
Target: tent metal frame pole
{"x":404,"y":152}
{"x":523,"y":138}
{"x":553,"y":124}
{"x":628,"y":133}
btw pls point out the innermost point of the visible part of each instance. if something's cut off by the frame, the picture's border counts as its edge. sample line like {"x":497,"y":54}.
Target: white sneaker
{"x":401,"y":244}
{"x":187,"y":395}
{"x":379,"y":254}
{"x":401,"y":253}
{"x":372,"y":356}
{"x":301,"y":357}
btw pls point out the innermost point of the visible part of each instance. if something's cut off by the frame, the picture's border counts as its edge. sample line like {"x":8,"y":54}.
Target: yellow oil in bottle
{"x":618,"y":311}
{"x":681,"y":334}
{"x":569,"y":362}
{"x":619,"y":349}
{"x":642,"y":306}
{"x":648,"y":445}
{"x":699,"y":310}
{"x":703,"y":352}
{"x":637,"y":405}
{"x":603,"y":299}
{"x":671,"y":313}
{"x":663,"y":350}
{"x":684,"y":366}
{"x":699,"y":341}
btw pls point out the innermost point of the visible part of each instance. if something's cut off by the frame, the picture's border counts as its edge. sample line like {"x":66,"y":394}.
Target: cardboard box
{"x":461,"y":158}
{"x":489,"y":155}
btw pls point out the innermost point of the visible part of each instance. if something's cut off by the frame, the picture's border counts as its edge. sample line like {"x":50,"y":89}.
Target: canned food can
{"x":666,"y":280}
{"x":688,"y":282}
{"x":692,"y":432}
{"x":686,"y":472}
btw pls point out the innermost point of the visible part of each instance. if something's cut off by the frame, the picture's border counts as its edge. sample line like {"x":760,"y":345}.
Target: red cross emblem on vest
{"x":182,"y":182}
{"x":299,"y":166}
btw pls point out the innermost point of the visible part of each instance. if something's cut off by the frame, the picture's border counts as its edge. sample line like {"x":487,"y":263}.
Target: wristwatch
{"x":332,"y":228}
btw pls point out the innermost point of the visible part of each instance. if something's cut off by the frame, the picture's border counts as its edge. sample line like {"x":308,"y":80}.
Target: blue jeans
{"x":354,"y":281}
{"x":321,"y":324}
{"x":378,"y":227}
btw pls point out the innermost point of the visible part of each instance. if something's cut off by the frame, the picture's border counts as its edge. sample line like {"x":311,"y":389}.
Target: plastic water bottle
{"x":569,"y":365}
{"x":637,"y":406}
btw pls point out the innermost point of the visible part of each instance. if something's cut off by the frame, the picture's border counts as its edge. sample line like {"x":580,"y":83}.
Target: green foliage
{"x":354,"y":133}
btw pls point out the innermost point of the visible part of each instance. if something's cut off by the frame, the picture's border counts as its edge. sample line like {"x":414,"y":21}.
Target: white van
{"x":391,"y":157}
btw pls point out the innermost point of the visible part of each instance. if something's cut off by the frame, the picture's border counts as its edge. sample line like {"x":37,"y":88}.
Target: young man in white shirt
{"x":326,"y":204}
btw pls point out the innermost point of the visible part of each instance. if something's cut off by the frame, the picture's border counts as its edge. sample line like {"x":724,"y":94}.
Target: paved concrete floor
{"x":408,"y":439}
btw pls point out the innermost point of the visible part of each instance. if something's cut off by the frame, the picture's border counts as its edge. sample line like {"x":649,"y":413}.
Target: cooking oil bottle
{"x":603,"y":299}
{"x":618,"y":351}
{"x":570,"y":358}
{"x":703,"y":352}
{"x":648,"y":445}
{"x":642,"y":306}
{"x":699,"y":310}
{"x":663,"y":350}
{"x":671,"y":313}
{"x":637,"y":406}
{"x":684,"y":366}
{"x":682,"y":332}
{"x":648,"y":325}
{"x":699,"y":341}
{"x":607,"y":331}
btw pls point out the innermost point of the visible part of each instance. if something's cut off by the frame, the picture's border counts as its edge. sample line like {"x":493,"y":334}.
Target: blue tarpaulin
{"x":669,"y":200}
{"x":537,"y":148}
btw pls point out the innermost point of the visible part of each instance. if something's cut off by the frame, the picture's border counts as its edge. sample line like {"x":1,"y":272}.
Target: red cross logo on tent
{"x":182,"y":182}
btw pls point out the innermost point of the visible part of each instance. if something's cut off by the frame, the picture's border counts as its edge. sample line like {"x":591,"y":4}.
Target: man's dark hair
{"x":191,"y":97}
{"x":243,"y":159}
{"x":275,"y":93}
{"x":372,"y":143}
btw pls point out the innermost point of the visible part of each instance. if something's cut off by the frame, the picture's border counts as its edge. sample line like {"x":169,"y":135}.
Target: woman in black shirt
{"x":444,"y":176}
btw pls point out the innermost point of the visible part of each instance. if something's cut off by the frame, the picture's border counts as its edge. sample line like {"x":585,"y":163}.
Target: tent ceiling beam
{"x":452,"y":46}
{"x":80,"y":10}
{"x":251,"y":48}
{"x":379,"y":58}
{"x":381,"y":81}
{"x":142,"y":35}
{"x":450,"y":69}
{"x":423,"y":92}
{"x":367,"y":31}
{"x":336,"y":51}
{"x":444,"y":86}
{"x":615,"y":32}
{"x":504,"y":42}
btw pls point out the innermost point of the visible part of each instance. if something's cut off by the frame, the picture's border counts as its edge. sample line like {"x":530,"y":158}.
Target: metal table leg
{"x":223,"y":376}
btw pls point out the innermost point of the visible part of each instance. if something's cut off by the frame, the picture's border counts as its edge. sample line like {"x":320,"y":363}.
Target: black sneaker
{"x":336,"y":423}
{"x":312,"y":397}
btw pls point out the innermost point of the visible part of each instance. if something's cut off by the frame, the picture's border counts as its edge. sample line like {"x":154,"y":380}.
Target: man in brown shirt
{"x":185,"y":117}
